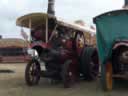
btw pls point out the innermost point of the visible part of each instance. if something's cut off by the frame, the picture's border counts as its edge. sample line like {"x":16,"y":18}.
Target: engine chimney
{"x":0,"y":36}
{"x":51,"y":9}
{"x":125,"y":4}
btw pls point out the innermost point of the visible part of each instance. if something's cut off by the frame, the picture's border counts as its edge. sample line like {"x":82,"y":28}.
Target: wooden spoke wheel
{"x":89,"y":65}
{"x":106,"y":76}
{"x":32,"y":73}
{"x":94,"y":66}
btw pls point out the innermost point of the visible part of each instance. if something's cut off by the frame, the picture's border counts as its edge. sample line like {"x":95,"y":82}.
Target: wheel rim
{"x":109,"y":76}
{"x":94,"y":66}
{"x":33,"y":72}
{"x":123,"y":58}
{"x":94,"y":70}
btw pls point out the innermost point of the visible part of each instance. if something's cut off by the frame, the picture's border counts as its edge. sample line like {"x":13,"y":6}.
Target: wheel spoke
{"x":31,"y":73}
{"x":94,"y":69}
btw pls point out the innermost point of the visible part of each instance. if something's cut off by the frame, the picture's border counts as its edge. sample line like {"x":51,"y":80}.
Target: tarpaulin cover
{"x":111,"y":27}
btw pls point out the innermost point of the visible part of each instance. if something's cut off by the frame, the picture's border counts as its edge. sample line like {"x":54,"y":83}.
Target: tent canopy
{"x":111,"y":27}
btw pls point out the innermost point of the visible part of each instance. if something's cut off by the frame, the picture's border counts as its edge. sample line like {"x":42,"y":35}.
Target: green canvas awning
{"x":111,"y":26}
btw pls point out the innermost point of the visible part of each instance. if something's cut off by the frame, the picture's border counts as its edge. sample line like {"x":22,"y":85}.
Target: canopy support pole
{"x":46,"y":30}
{"x":30,"y":26}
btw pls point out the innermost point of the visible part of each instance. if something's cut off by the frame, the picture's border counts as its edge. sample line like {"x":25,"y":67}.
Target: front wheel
{"x":32,"y":73}
{"x":106,"y":76}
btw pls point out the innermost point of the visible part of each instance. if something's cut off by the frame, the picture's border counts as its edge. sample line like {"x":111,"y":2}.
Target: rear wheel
{"x":106,"y":76}
{"x":32,"y":73}
{"x":89,"y":63}
{"x":119,"y":58}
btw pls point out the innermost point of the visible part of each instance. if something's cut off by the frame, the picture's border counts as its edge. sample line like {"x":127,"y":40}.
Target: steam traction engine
{"x":61,"y":46}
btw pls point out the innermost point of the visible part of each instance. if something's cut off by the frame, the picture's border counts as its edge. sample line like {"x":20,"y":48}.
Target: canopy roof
{"x":36,"y":19}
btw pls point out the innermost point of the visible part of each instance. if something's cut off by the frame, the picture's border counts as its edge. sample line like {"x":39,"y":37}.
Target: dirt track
{"x":13,"y":84}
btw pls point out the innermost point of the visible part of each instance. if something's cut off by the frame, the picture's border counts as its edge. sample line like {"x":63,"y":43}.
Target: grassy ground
{"x":13,"y":84}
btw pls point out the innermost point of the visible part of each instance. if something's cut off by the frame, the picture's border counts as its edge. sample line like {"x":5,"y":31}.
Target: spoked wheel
{"x":89,"y":63}
{"x":66,"y":74}
{"x":123,"y":56}
{"x":106,"y":76}
{"x":32,"y":73}
{"x":94,"y":66}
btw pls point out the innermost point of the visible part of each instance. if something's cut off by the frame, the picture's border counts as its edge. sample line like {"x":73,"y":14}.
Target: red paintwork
{"x":38,"y":34}
{"x":68,"y":52}
{"x":41,"y":44}
{"x":68,"y":44}
{"x":72,"y":54}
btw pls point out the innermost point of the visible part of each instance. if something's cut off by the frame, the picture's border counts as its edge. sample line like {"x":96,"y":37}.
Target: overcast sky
{"x":69,"y":10}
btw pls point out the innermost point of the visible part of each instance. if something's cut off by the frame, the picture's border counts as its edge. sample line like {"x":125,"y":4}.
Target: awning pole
{"x":30,"y":27}
{"x":47,"y":30}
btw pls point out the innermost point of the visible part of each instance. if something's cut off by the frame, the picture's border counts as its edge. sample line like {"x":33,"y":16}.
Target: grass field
{"x":13,"y":84}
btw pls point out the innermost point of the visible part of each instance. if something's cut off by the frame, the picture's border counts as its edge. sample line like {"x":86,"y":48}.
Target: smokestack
{"x":125,"y":4}
{"x":0,"y":36}
{"x":51,"y":9}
